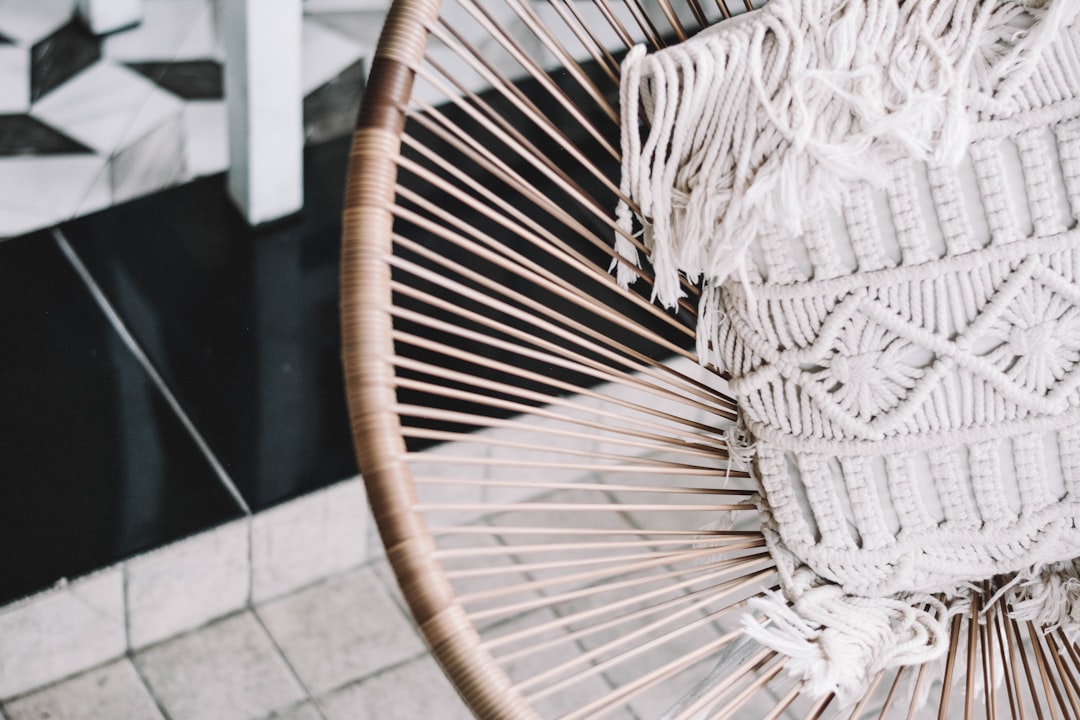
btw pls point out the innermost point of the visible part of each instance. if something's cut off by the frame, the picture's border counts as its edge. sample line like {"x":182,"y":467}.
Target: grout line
{"x":107,"y":167}
{"x":251,"y":561}
{"x":288,"y":663}
{"x":133,"y":346}
{"x":125,"y":589}
{"x":146,"y":686}
{"x":385,"y":669}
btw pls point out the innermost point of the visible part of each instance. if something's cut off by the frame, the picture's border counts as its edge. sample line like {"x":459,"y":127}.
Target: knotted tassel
{"x":1049,"y":596}
{"x":837,"y":643}
{"x":761,"y":122}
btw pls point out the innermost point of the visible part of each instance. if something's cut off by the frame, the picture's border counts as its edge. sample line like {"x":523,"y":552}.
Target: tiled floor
{"x":309,"y":654}
{"x":87,"y":122}
{"x":174,"y":369}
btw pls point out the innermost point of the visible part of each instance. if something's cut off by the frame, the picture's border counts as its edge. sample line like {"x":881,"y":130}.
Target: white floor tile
{"x":206,"y":137}
{"x":106,"y":16}
{"x":54,"y":186}
{"x":152,"y":162}
{"x":340,"y":631}
{"x":326,"y":53}
{"x":28,"y":22}
{"x":303,"y":711}
{"x":171,"y":30}
{"x":112,"y":691}
{"x":230,"y":669}
{"x":186,"y":585}
{"x":107,"y":106}
{"x":323,"y":6}
{"x":14,"y":79}
{"x":311,"y":538}
{"x":415,"y":690}
{"x":97,"y":197}
{"x":17,"y":221}
{"x":61,"y":633}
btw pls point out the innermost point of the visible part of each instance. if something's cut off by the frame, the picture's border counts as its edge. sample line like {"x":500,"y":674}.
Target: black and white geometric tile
{"x":87,"y":122}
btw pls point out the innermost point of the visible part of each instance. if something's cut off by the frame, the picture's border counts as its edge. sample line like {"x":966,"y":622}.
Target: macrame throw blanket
{"x":879,"y":200}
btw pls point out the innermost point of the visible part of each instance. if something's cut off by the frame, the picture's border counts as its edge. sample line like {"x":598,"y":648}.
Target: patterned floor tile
{"x":57,"y":58}
{"x":108,"y":105}
{"x":188,"y":79}
{"x":171,"y":31}
{"x":27,"y":22}
{"x":25,"y":135}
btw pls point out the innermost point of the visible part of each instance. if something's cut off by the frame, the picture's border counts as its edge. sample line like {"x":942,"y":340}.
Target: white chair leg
{"x":265,"y":106}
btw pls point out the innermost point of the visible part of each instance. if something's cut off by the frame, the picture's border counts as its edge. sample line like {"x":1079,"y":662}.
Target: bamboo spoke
{"x":652,"y":36}
{"x":483,"y":17}
{"x":735,"y":704}
{"x":633,"y":442}
{"x":613,"y":22}
{"x":631,"y":362}
{"x":442,"y":127}
{"x":436,"y":370}
{"x":563,"y":621}
{"x":743,"y":541}
{"x":587,"y":487}
{"x":599,"y":52}
{"x":572,"y":294}
{"x":587,"y":658}
{"x":568,"y":63}
{"x":630,"y":689}
{"x":563,"y":358}
{"x":572,"y":531}
{"x":668,"y":444}
{"x":744,"y":563}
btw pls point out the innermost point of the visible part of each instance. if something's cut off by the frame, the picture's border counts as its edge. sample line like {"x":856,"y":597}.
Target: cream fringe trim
{"x":838,"y":643}
{"x":760,"y":122}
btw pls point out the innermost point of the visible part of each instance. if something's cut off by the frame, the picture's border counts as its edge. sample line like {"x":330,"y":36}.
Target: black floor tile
{"x":25,"y":135}
{"x":66,"y":52}
{"x":190,"y":79}
{"x":96,"y":466}
{"x":242,"y":323}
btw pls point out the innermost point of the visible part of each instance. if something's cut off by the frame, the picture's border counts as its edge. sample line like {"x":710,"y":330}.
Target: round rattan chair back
{"x":545,"y":457}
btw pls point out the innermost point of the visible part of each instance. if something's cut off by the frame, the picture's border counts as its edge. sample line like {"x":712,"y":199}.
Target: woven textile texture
{"x":879,"y":200}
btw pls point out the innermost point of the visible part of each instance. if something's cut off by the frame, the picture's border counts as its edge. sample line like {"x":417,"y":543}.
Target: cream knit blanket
{"x":899,"y":314}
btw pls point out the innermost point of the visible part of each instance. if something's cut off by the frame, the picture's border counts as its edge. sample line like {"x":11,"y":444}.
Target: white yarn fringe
{"x":838,"y":643}
{"x":1049,"y":596}
{"x":760,"y":125}
{"x":757,"y":125}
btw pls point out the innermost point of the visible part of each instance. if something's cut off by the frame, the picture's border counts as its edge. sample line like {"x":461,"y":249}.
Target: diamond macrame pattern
{"x":1040,"y":340}
{"x":877,"y":369}
{"x":866,"y":374}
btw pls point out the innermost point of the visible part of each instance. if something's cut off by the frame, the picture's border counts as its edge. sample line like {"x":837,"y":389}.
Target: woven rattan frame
{"x":366,"y":328}
{"x":1044,"y":669}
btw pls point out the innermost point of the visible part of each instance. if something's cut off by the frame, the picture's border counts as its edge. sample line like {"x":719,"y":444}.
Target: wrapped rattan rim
{"x":369,"y":372}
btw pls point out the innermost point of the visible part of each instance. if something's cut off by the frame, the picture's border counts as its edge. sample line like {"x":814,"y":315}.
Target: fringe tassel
{"x":759,"y":123}
{"x":838,"y":643}
{"x":1049,"y":596}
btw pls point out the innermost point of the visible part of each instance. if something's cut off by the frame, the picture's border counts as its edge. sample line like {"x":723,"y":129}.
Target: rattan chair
{"x":546,"y":460}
